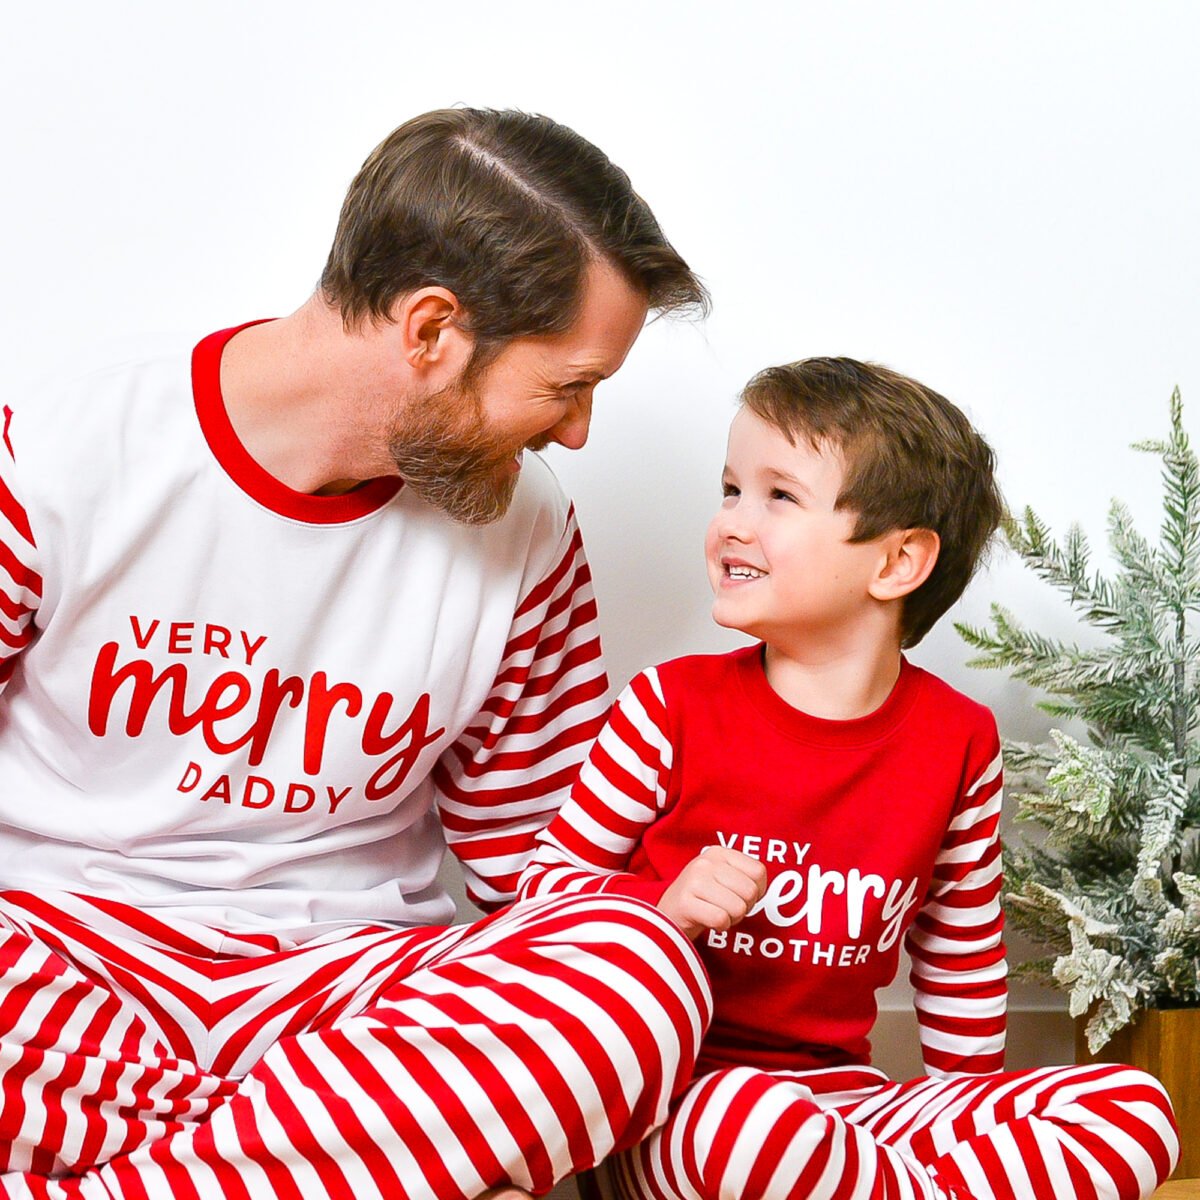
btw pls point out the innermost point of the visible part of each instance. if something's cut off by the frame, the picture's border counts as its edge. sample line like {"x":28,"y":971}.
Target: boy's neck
{"x":834,"y":686}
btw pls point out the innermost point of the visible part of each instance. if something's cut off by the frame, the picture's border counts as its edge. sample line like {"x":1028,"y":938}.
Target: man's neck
{"x":835,"y":684}
{"x":293,"y":390}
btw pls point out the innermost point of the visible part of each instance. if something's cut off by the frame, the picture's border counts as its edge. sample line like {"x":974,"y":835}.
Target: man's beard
{"x":452,"y":460}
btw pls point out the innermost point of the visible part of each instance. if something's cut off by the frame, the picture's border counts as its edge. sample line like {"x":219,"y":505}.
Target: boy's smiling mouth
{"x":738,"y":570}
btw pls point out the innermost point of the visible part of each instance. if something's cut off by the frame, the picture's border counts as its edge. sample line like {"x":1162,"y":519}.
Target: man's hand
{"x":714,"y":891}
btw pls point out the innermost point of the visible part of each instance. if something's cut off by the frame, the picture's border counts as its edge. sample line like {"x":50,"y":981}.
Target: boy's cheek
{"x":712,"y":559}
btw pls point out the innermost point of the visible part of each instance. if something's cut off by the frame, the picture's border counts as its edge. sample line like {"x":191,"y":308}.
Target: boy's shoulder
{"x":704,"y":670}
{"x":963,"y":724}
{"x":942,"y":695}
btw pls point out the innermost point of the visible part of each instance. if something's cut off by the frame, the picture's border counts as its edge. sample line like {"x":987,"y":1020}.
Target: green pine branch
{"x":1109,"y":882}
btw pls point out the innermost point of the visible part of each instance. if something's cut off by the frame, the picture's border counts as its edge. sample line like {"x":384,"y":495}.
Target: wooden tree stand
{"x":1166,"y":1043}
{"x":1179,"y":1189}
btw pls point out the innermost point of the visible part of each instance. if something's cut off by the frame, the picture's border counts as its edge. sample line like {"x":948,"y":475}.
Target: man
{"x":278,"y":619}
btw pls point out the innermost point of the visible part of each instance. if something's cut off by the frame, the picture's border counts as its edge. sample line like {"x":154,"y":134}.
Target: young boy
{"x":807,"y":805}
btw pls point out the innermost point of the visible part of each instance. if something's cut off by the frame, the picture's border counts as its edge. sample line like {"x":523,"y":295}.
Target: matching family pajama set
{"x":239,"y":726}
{"x":876,"y":833}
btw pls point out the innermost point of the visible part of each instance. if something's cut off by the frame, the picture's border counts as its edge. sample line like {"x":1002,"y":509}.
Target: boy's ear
{"x":911,"y":555}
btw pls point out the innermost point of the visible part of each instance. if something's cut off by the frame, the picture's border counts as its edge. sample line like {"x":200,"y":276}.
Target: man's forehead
{"x":587,"y":359}
{"x":611,"y":316}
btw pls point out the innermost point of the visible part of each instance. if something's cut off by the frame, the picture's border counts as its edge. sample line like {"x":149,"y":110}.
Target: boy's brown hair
{"x":505,"y":209}
{"x":913,"y":461}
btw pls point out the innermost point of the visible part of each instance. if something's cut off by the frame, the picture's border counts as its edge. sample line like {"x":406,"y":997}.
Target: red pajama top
{"x":876,"y":833}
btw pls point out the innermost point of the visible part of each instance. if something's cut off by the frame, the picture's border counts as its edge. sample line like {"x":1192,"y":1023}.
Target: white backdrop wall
{"x":998,"y":199}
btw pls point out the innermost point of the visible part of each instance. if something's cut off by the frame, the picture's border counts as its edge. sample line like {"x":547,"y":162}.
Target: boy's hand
{"x":714,"y":891}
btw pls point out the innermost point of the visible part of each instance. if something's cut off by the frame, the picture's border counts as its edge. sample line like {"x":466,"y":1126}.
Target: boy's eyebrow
{"x":786,"y":477}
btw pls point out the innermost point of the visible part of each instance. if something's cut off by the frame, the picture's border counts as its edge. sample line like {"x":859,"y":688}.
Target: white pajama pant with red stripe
{"x":146,"y":1059}
{"x":1099,"y":1132}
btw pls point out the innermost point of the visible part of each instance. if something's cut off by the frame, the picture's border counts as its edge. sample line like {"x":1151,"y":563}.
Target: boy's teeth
{"x":746,"y":572}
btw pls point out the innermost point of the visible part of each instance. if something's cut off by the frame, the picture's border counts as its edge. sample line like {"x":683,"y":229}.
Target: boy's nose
{"x":730,"y":523}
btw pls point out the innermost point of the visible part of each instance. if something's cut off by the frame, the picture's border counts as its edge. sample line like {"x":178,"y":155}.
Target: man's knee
{"x":626,"y":975}
{"x":621,"y":934}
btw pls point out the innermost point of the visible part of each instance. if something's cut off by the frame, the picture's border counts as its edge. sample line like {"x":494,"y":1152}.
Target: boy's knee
{"x":1135,"y":1086}
{"x":1095,"y":1089}
{"x":751,"y":1108}
{"x":1119,"y":1081}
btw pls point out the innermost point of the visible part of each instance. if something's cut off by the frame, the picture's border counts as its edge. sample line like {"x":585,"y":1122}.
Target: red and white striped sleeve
{"x":620,"y":792}
{"x":956,"y":943}
{"x":20,"y":582}
{"x":512,"y":767}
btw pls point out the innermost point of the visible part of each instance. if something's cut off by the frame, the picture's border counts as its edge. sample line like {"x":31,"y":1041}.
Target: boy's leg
{"x":529,"y":1048}
{"x":1101,"y":1133}
{"x":745,"y":1134}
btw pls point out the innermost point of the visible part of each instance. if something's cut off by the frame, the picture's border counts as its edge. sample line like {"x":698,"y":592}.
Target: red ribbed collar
{"x":818,"y":731}
{"x":247,"y":474}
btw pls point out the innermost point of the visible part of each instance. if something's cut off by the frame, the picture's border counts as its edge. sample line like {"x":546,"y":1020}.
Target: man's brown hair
{"x":913,"y":461}
{"x":505,"y":209}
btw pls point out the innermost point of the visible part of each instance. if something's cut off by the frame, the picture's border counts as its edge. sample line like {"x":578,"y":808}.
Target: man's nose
{"x":572,"y":428}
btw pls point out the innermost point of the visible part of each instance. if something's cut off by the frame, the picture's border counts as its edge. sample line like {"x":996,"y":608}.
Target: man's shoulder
{"x":540,"y":513}
{"x":85,"y":435}
{"x":88,"y":387}
{"x":539,"y":490}
{"x":537,"y":536}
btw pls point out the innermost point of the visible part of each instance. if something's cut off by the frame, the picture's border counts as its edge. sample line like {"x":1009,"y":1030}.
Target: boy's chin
{"x":729,"y":621}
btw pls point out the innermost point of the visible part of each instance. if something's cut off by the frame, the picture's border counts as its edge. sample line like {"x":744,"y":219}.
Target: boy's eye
{"x":780,"y":494}
{"x":728,"y":489}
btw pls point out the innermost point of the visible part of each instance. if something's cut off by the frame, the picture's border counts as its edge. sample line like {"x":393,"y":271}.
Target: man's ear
{"x":911,"y":555}
{"x":429,"y":326}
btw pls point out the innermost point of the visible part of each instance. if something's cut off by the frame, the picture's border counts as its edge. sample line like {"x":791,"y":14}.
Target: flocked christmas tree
{"x":1111,"y":884}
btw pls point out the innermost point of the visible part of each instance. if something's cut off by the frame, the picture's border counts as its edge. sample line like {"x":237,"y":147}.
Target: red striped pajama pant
{"x":145,"y":1059}
{"x":1097,"y":1132}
